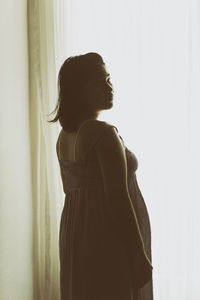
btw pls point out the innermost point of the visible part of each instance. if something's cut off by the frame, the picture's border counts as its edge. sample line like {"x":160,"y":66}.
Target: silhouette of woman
{"x":105,"y":234}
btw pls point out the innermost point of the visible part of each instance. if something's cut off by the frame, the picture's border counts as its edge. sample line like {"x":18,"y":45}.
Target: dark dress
{"x":93,"y":263}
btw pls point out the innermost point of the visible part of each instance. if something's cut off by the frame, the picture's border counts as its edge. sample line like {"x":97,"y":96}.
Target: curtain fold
{"x":47,"y":189}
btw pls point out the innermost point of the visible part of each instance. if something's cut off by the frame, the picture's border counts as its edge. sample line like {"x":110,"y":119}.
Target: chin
{"x":109,"y":98}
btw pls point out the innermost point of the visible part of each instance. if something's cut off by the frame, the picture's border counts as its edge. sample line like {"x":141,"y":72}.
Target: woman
{"x":105,"y":236}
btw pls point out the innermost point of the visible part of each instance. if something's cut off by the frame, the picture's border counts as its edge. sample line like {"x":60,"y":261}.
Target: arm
{"x":112,"y":159}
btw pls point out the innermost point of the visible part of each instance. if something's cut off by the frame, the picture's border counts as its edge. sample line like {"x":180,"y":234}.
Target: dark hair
{"x":74,"y":73}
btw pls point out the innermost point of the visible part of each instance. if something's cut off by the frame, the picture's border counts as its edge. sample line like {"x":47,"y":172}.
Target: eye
{"x":109,"y":80}
{"x":104,"y":80}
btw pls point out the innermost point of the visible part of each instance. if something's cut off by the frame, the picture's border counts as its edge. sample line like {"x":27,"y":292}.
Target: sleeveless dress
{"x":93,"y":262}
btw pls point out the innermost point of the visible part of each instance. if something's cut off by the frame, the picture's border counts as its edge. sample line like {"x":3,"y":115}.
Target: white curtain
{"x":48,"y":196}
{"x":151,"y":49}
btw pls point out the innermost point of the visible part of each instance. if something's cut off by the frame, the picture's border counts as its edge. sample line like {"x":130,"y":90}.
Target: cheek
{"x":95,"y":95}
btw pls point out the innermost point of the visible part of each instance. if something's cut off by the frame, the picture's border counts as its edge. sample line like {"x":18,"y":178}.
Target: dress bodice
{"x":87,"y":173}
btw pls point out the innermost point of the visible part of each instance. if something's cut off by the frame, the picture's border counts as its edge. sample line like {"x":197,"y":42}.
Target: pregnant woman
{"x":105,"y":234}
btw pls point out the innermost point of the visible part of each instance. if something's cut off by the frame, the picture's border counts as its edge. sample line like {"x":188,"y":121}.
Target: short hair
{"x":73,"y":75}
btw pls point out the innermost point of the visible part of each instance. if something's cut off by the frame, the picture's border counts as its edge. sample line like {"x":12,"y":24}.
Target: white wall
{"x":15,"y":185}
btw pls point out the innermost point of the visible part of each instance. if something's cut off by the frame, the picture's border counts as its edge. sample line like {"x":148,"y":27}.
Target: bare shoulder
{"x":92,"y":126}
{"x":109,"y":146}
{"x":91,"y":133}
{"x":90,"y":130}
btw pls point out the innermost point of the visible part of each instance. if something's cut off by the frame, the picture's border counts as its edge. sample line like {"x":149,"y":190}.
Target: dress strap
{"x":119,"y":135}
{"x":122,"y":140}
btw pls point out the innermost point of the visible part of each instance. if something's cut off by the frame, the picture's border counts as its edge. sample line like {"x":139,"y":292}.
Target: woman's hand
{"x":142,"y":270}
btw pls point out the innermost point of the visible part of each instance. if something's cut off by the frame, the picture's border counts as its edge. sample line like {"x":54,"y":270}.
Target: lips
{"x":109,"y":96}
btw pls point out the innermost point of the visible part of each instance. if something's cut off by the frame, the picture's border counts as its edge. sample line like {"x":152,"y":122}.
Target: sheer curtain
{"x":48,"y":196}
{"x":31,"y":196}
{"x":151,"y":49}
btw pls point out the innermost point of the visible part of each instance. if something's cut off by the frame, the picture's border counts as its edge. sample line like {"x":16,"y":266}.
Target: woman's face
{"x":98,"y":91}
